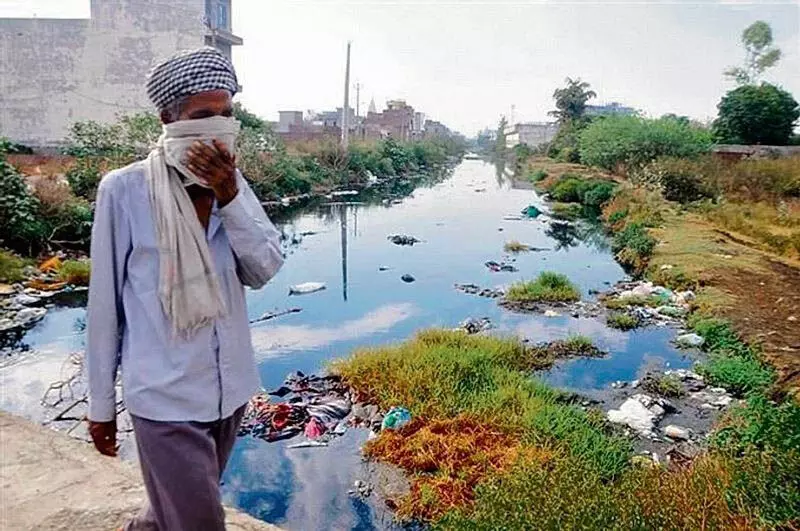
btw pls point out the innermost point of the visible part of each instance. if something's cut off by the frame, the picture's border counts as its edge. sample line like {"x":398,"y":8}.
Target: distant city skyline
{"x":465,"y":63}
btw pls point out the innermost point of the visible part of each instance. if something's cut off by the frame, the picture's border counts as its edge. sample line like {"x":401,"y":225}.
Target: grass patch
{"x":667,"y":385}
{"x":622,"y":321}
{"x":621,"y":303}
{"x":76,"y":272}
{"x":634,"y":246}
{"x":548,"y":287}
{"x":566,"y":211}
{"x":12,"y":267}
{"x":571,"y":188}
{"x":516,"y":247}
{"x":537,"y":176}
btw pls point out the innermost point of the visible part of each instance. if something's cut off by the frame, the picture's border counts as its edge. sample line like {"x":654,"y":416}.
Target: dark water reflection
{"x":460,"y":223}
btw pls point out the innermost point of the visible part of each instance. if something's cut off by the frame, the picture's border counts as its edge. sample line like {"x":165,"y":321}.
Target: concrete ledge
{"x":49,"y":481}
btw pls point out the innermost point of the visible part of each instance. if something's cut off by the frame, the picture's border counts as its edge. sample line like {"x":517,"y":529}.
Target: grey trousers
{"x":182,"y":463}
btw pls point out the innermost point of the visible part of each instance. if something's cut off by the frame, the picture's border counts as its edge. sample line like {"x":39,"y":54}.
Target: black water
{"x":459,"y":222}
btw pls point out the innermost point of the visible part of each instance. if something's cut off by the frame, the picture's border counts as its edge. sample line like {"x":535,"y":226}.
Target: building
{"x":532,"y":134}
{"x":55,"y":72}
{"x":396,"y":121}
{"x":609,"y":109}
{"x":436,"y":129}
{"x":289,"y":121}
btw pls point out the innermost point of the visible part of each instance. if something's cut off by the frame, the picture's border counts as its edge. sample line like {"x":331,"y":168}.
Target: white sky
{"x":465,"y":62}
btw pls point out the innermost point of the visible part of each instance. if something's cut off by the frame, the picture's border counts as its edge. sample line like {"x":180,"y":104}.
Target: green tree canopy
{"x":750,"y":114}
{"x":759,"y":54}
{"x":571,"y":100}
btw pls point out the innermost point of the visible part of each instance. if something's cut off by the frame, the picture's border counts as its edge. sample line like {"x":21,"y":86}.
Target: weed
{"x":567,"y":211}
{"x":76,"y":272}
{"x":514,"y":246}
{"x":548,"y":287}
{"x":667,"y":385}
{"x":572,"y":188}
{"x":621,"y":303}
{"x":12,"y":267}
{"x":622,"y":321}
{"x":634,"y":246}
{"x":538,"y":175}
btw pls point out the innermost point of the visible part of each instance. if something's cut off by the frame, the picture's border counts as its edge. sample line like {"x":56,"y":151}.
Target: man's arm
{"x":110,"y":241}
{"x":254,"y":239}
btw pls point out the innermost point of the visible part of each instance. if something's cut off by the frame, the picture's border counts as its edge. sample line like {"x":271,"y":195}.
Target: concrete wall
{"x":56,"y":72}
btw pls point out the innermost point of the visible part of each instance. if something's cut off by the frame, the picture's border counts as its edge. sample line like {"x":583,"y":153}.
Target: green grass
{"x":579,"y":343}
{"x":12,"y":267}
{"x":667,"y":385}
{"x":442,"y":374}
{"x":620,"y":303}
{"x":548,"y":287}
{"x":536,"y":176}
{"x":731,"y":363}
{"x":514,"y":246}
{"x":568,"y":211}
{"x":622,"y":321}
{"x":76,"y":272}
{"x":634,"y":246}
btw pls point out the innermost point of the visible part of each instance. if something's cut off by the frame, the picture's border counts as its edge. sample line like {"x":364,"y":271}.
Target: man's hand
{"x":217,"y":166}
{"x":104,"y":435}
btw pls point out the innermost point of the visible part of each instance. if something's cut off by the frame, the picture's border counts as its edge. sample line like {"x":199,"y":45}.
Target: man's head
{"x":193,"y":84}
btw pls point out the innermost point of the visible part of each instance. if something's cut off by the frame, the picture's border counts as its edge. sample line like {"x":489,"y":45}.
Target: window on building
{"x":218,"y":14}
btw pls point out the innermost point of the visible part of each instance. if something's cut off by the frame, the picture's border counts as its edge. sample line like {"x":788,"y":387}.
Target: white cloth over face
{"x":188,"y":287}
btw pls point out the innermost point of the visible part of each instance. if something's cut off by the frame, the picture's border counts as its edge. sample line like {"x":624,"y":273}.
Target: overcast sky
{"x":466,"y":62}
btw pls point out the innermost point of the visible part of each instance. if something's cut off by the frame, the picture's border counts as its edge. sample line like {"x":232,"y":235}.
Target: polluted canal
{"x":352,"y":280}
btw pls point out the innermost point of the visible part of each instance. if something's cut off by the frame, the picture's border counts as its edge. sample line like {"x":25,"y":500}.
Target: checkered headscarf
{"x":190,"y":72}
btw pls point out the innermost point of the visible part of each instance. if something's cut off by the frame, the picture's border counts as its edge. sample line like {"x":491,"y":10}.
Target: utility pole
{"x":346,"y":106}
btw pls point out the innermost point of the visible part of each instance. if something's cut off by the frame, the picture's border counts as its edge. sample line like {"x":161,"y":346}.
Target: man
{"x":176,"y":238}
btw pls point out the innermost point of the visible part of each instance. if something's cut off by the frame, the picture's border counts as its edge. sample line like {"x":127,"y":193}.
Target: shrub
{"x":548,"y":287}
{"x":634,"y":246}
{"x":537,"y":176}
{"x":21,"y":225}
{"x":622,"y":321}
{"x":76,"y":272}
{"x":12,"y":267}
{"x":631,"y":141}
{"x":84,"y":177}
{"x":575,"y":189}
{"x":750,"y":114}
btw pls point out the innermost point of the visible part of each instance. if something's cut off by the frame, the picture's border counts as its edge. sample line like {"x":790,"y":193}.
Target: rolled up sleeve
{"x":105,"y":315}
{"x":254,"y":239}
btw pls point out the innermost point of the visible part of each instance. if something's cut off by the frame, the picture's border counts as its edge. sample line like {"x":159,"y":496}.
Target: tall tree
{"x":500,"y":138}
{"x":759,"y":54}
{"x":571,"y":100}
{"x":750,"y":114}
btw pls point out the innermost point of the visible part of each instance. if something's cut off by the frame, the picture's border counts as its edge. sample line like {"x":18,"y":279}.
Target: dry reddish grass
{"x":41,"y":164}
{"x":446,"y":459}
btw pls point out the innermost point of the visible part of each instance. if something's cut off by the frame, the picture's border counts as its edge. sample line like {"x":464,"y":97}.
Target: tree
{"x":750,"y":114}
{"x":759,"y":54}
{"x":500,"y":138}
{"x":571,"y":100}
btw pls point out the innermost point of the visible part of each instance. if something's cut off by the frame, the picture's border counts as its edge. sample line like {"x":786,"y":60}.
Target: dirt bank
{"x":50,"y":482}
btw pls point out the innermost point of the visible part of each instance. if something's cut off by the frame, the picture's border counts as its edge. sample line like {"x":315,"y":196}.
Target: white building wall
{"x":54,"y":72}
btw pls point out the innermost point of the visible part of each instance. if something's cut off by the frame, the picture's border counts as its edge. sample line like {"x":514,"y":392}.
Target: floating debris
{"x":407,"y":278}
{"x":475,"y":326}
{"x":403,"y":239}
{"x":272,"y":315}
{"x":500,"y":267}
{"x":306,"y":287}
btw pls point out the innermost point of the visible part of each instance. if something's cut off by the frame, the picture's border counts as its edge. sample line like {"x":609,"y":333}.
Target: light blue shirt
{"x":164,"y":378}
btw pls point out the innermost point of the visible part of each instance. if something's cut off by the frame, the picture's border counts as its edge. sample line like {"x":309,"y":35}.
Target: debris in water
{"x":272,"y":315}
{"x":475,"y":326}
{"x":501,"y":266}
{"x":403,"y":239}
{"x":308,"y":444}
{"x":690,"y":340}
{"x":407,"y":278}
{"x":306,"y":288}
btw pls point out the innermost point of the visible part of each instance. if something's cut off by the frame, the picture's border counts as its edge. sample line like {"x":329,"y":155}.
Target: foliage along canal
{"x":461,"y":225}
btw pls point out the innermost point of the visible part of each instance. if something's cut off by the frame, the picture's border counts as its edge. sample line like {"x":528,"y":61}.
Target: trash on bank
{"x":396,"y":418}
{"x":475,"y":326}
{"x":531,"y":211}
{"x":306,"y":288}
{"x":690,"y":340}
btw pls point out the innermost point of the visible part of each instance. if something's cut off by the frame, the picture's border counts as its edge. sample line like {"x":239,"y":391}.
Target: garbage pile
{"x":319,"y":407}
{"x":649,"y":303}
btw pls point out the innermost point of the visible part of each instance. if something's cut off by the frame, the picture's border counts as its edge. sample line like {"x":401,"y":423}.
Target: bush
{"x":750,"y":114}
{"x":634,"y":246}
{"x":622,"y":321}
{"x":575,"y":189}
{"x":631,"y":141}
{"x":75,"y":272}
{"x":548,"y":287}
{"x":21,"y":225}
{"x":12,"y":267}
